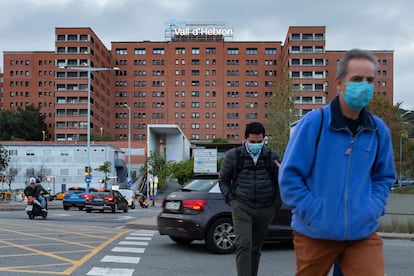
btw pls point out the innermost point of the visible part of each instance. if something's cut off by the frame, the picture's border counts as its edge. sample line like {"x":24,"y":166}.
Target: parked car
{"x":75,"y":197}
{"x":129,"y":196}
{"x":198,"y":212}
{"x":106,"y":200}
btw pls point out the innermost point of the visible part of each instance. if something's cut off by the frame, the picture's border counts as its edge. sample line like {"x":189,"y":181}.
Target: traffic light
{"x":88,"y":171}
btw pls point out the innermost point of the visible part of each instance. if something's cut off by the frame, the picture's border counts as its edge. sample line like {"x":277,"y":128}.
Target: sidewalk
{"x":150,"y":223}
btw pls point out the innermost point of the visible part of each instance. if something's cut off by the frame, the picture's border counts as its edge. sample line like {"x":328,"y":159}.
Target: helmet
{"x":32,"y":180}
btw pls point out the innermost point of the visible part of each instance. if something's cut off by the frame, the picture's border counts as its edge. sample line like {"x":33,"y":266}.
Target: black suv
{"x":198,"y":212}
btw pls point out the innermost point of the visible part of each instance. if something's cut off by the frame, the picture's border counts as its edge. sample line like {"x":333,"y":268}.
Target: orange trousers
{"x":315,"y":257}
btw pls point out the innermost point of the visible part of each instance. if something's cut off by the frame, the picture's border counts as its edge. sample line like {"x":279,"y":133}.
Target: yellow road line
{"x":93,"y":252}
{"x":35,"y":269}
{"x":74,"y":264}
{"x":43,"y":237}
{"x":51,"y":243}
{"x":39,"y":252}
{"x":54,"y":252}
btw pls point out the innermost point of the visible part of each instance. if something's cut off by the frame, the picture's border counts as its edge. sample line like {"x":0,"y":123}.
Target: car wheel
{"x":80,"y":208}
{"x":221,"y":237}
{"x":180,"y":240}
{"x":88,"y":210}
{"x":126,"y":209}
{"x":65,"y":207}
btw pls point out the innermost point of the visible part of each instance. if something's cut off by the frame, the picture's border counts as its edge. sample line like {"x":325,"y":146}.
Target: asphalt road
{"x":76,"y":243}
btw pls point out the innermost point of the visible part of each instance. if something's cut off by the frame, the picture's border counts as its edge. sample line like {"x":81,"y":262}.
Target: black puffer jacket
{"x":254,"y":186}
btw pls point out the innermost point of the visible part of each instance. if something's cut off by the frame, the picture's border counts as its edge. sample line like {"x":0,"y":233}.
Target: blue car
{"x":75,"y":197}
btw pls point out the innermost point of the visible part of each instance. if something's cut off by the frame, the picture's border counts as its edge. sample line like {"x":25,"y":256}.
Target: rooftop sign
{"x":181,"y":30}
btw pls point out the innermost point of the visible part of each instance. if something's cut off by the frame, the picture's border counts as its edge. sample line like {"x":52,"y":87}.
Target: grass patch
{"x":407,"y":190}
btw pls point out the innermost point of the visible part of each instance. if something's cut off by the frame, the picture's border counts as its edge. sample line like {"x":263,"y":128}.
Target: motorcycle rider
{"x":35,"y":189}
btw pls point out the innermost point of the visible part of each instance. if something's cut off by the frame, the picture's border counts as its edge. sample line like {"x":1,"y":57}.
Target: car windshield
{"x":126,"y":193}
{"x":201,"y":185}
{"x":76,"y":190}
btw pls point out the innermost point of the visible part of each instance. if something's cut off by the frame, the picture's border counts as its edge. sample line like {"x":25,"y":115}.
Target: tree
{"x":106,"y":169}
{"x":7,"y":124}
{"x":23,"y":124}
{"x":220,"y":141}
{"x":280,"y":113}
{"x":391,"y":114}
{"x":183,"y":171}
{"x":4,"y":159}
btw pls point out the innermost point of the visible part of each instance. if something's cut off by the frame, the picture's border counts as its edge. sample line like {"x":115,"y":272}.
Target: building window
{"x":232,"y":51}
{"x":210,"y":50}
{"x":158,"y":51}
{"x":121,"y":51}
{"x":195,"y":51}
{"x":251,"y":51}
{"x":270,"y":51}
{"x":180,"y":51}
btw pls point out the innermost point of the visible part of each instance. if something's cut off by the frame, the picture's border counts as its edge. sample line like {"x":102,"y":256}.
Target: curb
{"x":149,"y":223}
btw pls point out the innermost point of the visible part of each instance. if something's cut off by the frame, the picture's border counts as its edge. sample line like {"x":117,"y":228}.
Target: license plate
{"x":29,"y":208}
{"x":98,"y":199}
{"x":172,"y":205}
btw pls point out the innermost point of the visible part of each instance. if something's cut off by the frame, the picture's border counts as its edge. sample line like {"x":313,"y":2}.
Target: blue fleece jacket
{"x":337,"y":189}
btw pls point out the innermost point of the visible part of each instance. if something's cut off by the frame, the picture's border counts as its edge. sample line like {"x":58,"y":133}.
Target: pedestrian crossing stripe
{"x":120,"y":259}
{"x":128,"y":249}
{"x":109,"y":271}
{"x":137,"y":243}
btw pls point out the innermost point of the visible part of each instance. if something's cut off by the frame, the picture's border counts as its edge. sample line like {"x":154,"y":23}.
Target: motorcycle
{"x":34,"y":208}
{"x":142,"y":199}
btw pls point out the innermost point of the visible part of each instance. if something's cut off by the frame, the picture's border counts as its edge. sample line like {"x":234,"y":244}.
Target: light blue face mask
{"x":254,"y":148}
{"x":358,"y":94}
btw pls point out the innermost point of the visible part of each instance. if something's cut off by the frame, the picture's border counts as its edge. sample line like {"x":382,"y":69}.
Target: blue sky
{"x":28,"y":25}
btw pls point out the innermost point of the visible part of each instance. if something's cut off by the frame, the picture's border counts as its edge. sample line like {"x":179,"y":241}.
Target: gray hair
{"x":342,"y":68}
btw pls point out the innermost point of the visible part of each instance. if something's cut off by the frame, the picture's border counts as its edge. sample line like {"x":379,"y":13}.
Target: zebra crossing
{"x":127,"y":251}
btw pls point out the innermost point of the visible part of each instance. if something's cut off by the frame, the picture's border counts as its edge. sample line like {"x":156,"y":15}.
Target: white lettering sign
{"x":203,"y":31}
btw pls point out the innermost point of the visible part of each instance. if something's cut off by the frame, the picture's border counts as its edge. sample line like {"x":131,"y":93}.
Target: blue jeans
{"x":42,"y":201}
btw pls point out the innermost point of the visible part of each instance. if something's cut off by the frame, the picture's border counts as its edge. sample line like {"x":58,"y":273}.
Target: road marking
{"x":138,"y":238}
{"x":147,"y":233}
{"x":121,"y":259}
{"x":128,"y":249}
{"x":93,"y":252}
{"x":124,"y":218}
{"x":108,"y":271}
{"x":133,"y":243}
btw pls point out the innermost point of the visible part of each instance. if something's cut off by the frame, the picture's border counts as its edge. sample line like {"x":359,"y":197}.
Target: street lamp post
{"x":88,"y":139}
{"x":401,"y":150}
{"x":129,"y":141}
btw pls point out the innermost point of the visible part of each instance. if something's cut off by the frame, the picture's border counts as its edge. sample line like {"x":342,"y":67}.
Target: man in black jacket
{"x":252,"y":192}
{"x":36,"y":190}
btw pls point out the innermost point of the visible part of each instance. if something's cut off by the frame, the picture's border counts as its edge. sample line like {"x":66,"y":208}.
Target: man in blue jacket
{"x":336,"y":175}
